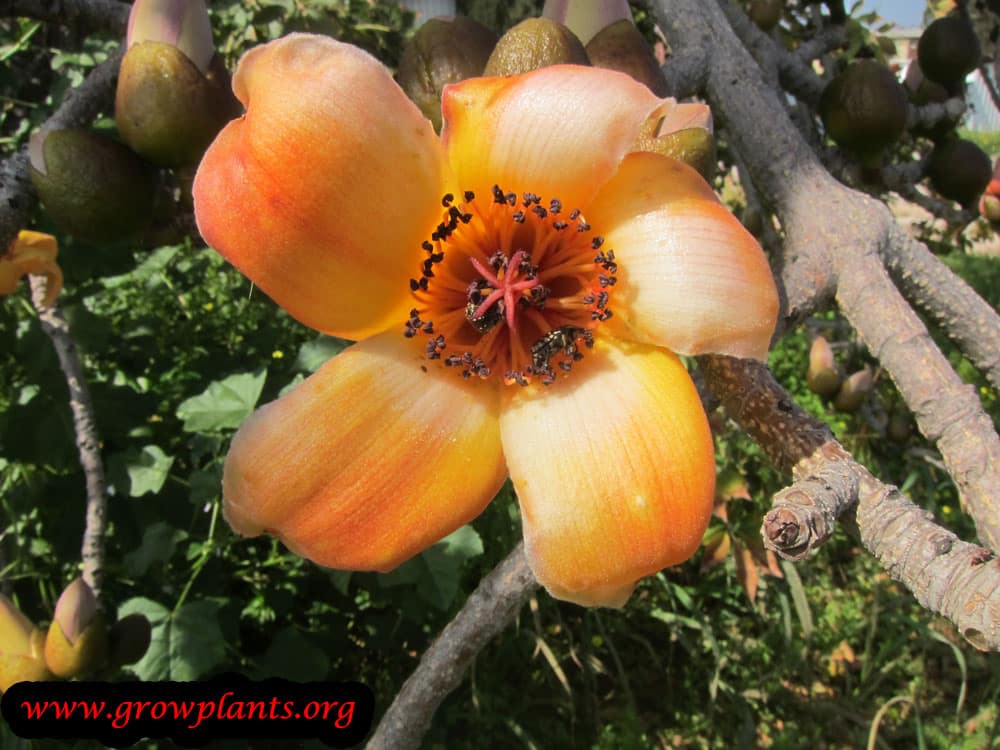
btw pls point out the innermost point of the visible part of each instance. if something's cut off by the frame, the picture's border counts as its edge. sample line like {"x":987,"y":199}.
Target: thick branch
{"x":85,"y":429}
{"x":965,"y":316}
{"x":841,"y":232}
{"x":489,"y":609}
{"x":947,"y":576}
{"x":89,"y":15}
{"x":78,"y":108}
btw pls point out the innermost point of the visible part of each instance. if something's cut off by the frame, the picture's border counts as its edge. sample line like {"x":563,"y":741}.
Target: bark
{"x":88,"y":445}
{"x":489,"y":609}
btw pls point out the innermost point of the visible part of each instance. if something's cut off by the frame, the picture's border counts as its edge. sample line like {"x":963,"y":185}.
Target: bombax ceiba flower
{"x":517,"y":287}
{"x":32,"y":253}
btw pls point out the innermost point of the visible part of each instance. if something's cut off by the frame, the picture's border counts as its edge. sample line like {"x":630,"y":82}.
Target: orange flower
{"x":31,"y":252}
{"x":479,"y":272}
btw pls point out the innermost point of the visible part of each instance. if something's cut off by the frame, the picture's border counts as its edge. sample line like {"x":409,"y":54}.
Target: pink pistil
{"x":504,"y":288}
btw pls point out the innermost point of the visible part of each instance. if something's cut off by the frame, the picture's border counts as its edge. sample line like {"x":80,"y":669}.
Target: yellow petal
{"x":614,"y":470}
{"x":34,"y":253}
{"x":558,"y":132}
{"x":324,"y":191}
{"x":690,"y":277}
{"x":15,"y":629}
{"x":376,"y":456}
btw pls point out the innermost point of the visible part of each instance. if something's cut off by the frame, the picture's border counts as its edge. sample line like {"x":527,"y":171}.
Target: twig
{"x":78,"y":108}
{"x":91,"y":15}
{"x":947,"y":576}
{"x":85,"y":428}
{"x":494,"y":603}
{"x":965,"y":316}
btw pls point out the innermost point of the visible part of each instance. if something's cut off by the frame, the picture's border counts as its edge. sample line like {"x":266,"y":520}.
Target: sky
{"x":900,"y":12}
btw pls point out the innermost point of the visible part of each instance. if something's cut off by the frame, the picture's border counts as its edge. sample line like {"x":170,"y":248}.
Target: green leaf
{"x":292,"y":656}
{"x":224,"y":404}
{"x":185,"y":644}
{"x":159,"y":541}
{"x":148,"y":470}
{"x":437,"y":571}
{"x":313,"y":354}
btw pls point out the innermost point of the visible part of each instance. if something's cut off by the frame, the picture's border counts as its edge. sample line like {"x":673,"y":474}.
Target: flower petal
{"x":34,"y":253}
{"x":691,"y":278}
{"x":324,"y":191}
{"x":558,"y":132}
{"x":614,"y":470}
{"x":369,"y":461}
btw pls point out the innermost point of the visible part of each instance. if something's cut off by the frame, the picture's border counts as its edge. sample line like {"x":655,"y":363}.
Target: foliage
{"x":180,"y":348}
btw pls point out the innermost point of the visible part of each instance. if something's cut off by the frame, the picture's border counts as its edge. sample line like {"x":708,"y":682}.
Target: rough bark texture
{"x":88,"y":445}
{"x":494,"y":603}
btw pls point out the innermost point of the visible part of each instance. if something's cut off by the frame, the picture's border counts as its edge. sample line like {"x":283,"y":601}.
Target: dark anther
{"x":573,"y":214}
{"x":498,"y":196}
{"x":559,"y":225}
{"x":498,"y":260}
{"x":429,"y":327}
{"x":414,"y":285}
{"x":518,"y":216}
{"x":511,"y":199}
{"x":540,"y":212}
{"x":447,"y":199}
{"x":469,"y":196}
{"x":588,"y":300}
{"x":596,"y":244}
{"x":555,"y":206}
{"x":427,"y":246}
{"x":437,"y":257}
{"x":583,"y":227}
{"x":465,"y":218}
{"x":423,"y":283}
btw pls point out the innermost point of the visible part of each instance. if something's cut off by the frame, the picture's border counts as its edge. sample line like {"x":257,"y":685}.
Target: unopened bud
{"x":183,"y":24}
{"x":585,"y":18}
{"x":823,"y":377}
{"x":621,"y":46}
{"x":532,"y":44}
{"x":77,"y":641}
{"x":21,"y":647}
{"x":92,"y":187}
{"x":442,"y":51}
{"x":166,"y":108}
{"x":683,"y":132}
{"x":854,"y":390}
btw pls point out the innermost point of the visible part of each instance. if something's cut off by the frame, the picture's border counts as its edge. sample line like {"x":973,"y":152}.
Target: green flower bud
{"x":166,"y":109}
{"x":684,"y":133}
{"x":442,"y":51}
{"x":532,"y":44}
{"x":183,"y":24}
{"x":21,"y":647}
{"x":621,"y":46}
{"x":77,"y":641}
{"x":823,"y":377}
{"x":92,"y":187}
{"x":959,"y":170}
{"x":854,"y":390}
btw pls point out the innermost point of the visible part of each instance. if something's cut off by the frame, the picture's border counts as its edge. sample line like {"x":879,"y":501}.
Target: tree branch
{"x":494,"y":603}
{"x":85,"y":428}
{"x":90,"y":15}
{"x":946,"y":575}
{"x":78,"y":108}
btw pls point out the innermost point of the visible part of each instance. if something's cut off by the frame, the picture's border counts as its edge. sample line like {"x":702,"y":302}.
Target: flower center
{"x":511,"y":288}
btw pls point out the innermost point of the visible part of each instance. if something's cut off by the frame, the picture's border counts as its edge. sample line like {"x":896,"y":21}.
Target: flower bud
{"x":766,"y":13}
{"x":129,"y":639}
{"x":92,"y":187}
{"x":166,"y":108}
{"x":585,"y":18}
{"x":683,"y":133}
{"x":621,"y":46}
{"x":854,"y":390}
{"x":21,"y":647}
{"x":182,"y":24}
{"x":989,"y":207}
{"x":823,"y":377}
{"x":442,"y":51}
{"x":35,"y":253}
{"x":77,"y":641}
{"x":535,"y":43}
